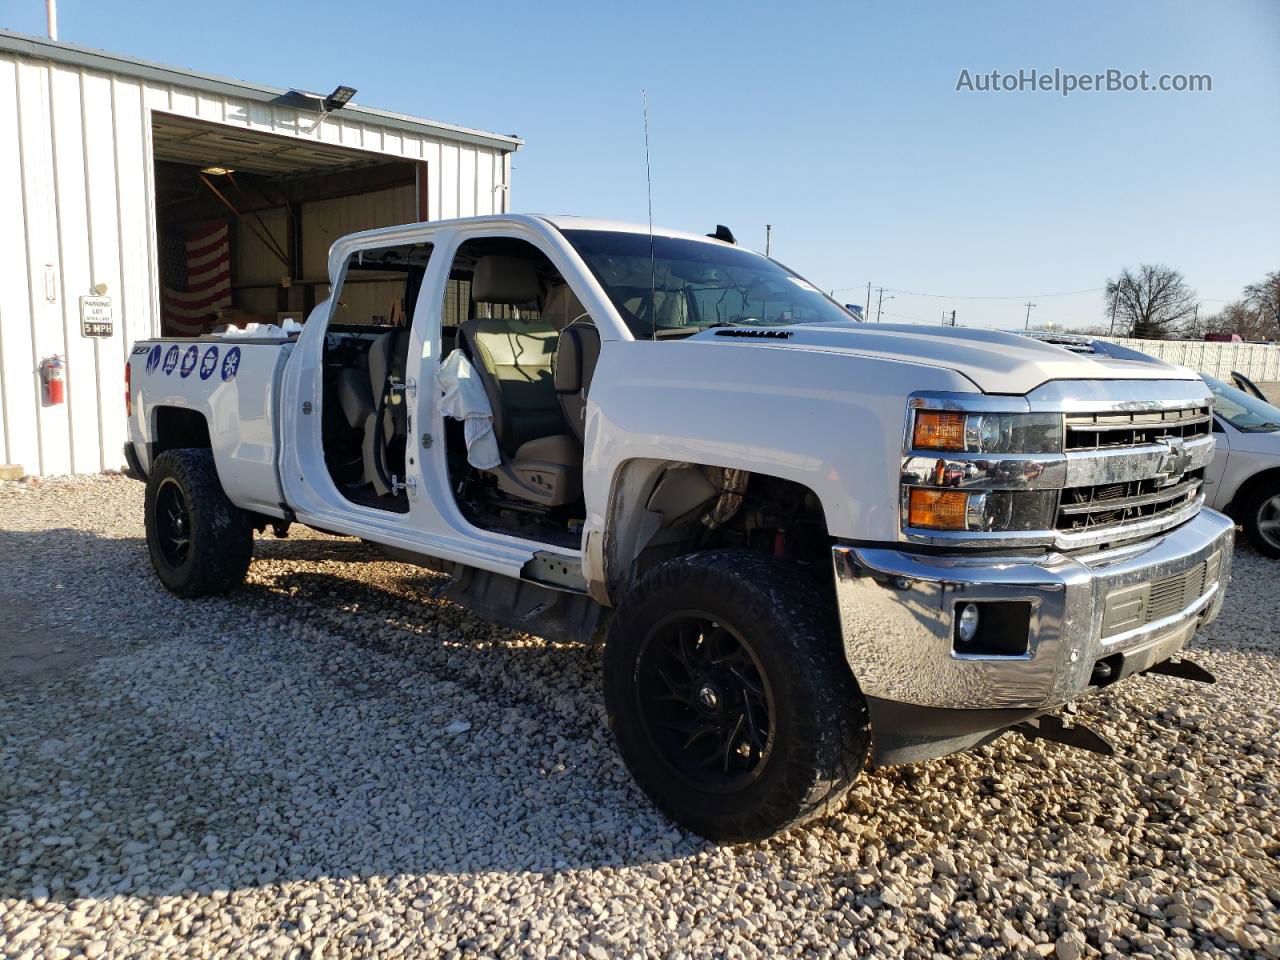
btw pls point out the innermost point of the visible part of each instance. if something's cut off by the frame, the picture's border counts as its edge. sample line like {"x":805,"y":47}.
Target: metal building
{"x":138,"y":199}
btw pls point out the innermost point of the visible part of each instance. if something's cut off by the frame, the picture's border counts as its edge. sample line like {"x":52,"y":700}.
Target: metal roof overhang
{"x":58,"y":52}
{"x":204,"y":143}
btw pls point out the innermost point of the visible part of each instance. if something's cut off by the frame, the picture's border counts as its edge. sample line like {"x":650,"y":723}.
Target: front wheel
{"x":729,"y":697}
{"x":1261,"y":519}
{"x":200,"y":542}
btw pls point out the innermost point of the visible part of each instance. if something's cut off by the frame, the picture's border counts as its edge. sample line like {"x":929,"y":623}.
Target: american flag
{"x":196,"y":266}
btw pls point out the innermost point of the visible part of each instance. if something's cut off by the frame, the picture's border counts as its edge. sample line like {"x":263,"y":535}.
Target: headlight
{"x":987,"y":432}
{"x":981,"y":511}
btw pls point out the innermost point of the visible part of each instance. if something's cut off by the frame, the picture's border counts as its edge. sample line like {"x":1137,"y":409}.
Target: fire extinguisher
{"x":52,"y":372}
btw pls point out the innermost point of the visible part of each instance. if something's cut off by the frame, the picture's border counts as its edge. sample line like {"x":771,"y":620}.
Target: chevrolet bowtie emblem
{"x":1174,"y":461}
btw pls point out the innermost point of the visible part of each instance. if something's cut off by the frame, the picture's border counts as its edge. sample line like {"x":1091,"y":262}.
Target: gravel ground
{"x":333,"y":762}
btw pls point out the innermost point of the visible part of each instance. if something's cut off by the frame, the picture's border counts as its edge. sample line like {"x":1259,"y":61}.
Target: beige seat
{"x":540,"y":461}
{"x":357,"y":389}
{"x":577,"y":350}
{"x":388,"y":357}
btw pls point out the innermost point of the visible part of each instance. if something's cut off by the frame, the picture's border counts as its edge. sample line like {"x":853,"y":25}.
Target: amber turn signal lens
{"x":938,"y":431}
{"x":937,"y":509}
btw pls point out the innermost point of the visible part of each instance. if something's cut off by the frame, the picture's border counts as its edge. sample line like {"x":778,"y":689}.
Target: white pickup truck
{"x":807,"y":543}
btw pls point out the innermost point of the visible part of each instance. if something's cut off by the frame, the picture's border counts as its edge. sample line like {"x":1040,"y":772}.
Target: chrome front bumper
{"x":897,"y":612}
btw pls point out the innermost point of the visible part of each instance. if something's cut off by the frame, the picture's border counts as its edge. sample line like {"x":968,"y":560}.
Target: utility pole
{"x":1111,"y":332}
{"x":1029,"y":305}
{"x":768,"y":238}
{"x":880,"y":303}
{"x":953,"y":318}
{"x":866,"y":304}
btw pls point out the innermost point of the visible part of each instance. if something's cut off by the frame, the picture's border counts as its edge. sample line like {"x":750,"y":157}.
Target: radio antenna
{"x":648,"y":183}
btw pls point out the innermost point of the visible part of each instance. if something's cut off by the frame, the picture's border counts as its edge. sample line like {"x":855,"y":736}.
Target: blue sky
{"x":838,"y":123}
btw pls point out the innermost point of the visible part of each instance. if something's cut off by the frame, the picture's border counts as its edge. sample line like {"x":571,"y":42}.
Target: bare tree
{"x":1256,"y":316}
{"x":1150,"y":301}
{"x":1235,"y":317}
{"x":1264,"y":299}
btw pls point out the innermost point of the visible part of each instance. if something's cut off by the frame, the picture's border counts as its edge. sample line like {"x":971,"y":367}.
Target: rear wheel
{"x":729,"y":697}
{"x":200,"y":542}
{"x":1261,"y":518}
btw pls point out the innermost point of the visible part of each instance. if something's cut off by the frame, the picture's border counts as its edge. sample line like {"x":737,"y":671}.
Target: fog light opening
{"x":991,"y":628}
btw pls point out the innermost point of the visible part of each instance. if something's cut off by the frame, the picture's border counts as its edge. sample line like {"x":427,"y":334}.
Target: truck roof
{"x":559,"y":221}
{"x":571,"y":222}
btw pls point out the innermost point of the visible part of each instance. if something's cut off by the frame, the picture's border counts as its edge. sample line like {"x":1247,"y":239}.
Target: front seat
{"x":357,"y":388}
{"x":577,"y":351}
{"x":540,"y":461}
{"x":388,"y":356}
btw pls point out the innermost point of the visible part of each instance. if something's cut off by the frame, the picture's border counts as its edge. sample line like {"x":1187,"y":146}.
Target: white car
{"x":1243,"y":480}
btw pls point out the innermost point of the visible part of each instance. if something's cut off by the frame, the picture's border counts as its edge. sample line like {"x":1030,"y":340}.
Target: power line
{"x":948,"y":296}
{"x":903,"y":316}
{"x":1021,"y":296}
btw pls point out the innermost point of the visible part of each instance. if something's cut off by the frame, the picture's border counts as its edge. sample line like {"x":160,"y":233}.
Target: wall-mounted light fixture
{"x":340,"y":97}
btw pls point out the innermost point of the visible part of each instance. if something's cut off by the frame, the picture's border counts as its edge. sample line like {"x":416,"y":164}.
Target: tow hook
{"x":1183,"y":668}
{"x":1050,"y":727}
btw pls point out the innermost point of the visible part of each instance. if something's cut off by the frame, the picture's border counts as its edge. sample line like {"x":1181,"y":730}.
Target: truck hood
{"x":996,"y":362}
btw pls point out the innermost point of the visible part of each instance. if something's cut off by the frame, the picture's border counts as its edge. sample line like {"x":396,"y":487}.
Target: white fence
{"x":1257,"y":361}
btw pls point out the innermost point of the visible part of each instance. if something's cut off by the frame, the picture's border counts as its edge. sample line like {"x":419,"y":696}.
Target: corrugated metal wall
{"x":77,"y":209}
{"x":1257,"y":361}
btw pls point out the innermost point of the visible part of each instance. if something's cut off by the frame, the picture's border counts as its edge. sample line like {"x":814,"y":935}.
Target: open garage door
{"x":244,"y":220}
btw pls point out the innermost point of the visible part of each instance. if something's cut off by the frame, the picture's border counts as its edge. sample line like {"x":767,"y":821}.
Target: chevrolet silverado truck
{"x":807,"y":544}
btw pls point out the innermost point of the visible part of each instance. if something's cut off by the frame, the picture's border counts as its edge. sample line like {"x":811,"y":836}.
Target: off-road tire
{"x":220,"y":533}
{"x":1251,"y":508}
{"x":820,"y":722}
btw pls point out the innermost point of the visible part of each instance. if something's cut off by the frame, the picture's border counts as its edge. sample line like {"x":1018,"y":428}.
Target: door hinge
{"x":409,"y":388}
{"x":306,"y":406}
{"x":398,"y":485}
{"x":426,"y":441}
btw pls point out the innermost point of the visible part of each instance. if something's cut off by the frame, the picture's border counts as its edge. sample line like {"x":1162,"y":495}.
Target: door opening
{"x":526,"y":338}
{"x":365,"y":410}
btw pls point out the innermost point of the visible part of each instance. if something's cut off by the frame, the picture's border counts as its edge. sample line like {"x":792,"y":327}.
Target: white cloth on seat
{"x":462,"y":396}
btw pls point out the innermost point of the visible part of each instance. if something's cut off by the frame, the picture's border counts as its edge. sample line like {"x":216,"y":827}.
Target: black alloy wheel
{"x":173,"y":523}
{"x":706,"y":705}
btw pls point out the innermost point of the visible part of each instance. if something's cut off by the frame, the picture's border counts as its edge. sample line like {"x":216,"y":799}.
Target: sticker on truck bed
{"x":231,"y":364}
{"x":209,"y":363}
{"x":153,"y":359}
{"x":171,"y":360}
{"x":189,"y":361}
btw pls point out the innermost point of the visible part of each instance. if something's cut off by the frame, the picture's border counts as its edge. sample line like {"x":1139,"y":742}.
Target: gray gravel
{"x":333,"y":762}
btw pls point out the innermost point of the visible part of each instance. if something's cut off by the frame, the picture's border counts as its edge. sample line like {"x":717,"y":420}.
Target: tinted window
{"x":682,"y":286}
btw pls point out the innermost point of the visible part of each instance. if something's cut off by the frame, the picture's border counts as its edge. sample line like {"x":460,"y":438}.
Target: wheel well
{"x":175,"y":428}
{"x":1261,"y":478}
{"x":664,"y":510}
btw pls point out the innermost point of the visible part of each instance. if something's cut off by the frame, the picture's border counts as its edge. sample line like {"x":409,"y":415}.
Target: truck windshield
{"x":697,"y":284}
{"x":1243,"y":411}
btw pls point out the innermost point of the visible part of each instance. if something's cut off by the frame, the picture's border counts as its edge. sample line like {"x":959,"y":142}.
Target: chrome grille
{"x":1115,"y":504}
{"x":1099,"y":431}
